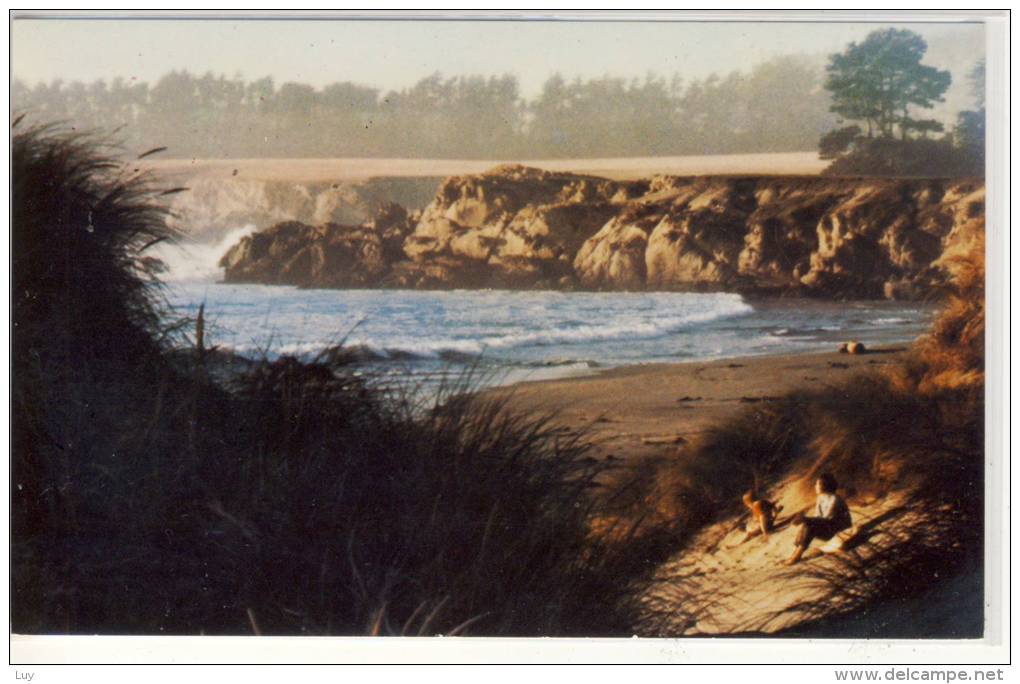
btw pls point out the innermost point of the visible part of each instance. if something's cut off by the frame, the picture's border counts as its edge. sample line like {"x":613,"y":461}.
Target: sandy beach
{"x":649,"y":408}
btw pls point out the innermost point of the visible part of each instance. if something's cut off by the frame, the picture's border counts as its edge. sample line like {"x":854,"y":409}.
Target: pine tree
{"x":880,"y":80}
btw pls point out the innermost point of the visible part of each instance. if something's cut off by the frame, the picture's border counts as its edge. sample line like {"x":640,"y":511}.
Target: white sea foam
{"x":895,"y":320}
{"x":191,"y":261}
{"x":626,"y":327}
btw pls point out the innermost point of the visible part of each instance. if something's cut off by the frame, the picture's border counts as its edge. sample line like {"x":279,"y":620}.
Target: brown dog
{"x":763,"y":514}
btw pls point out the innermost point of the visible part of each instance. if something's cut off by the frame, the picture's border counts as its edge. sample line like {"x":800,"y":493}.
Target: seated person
{"x":833,"y":517}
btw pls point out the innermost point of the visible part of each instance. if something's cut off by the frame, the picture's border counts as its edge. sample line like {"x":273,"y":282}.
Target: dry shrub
{"x":953,"y":353}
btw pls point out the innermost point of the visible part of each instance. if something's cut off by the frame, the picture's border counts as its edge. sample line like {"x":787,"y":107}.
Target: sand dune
{"x":721,"y":583}
{"x":327,"y":170}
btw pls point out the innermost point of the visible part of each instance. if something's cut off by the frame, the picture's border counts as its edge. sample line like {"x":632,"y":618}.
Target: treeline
{"x":777,"y":106}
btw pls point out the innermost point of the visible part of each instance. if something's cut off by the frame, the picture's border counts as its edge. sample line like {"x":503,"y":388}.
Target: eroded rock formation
{"x":328,"y":255}
{"x":521,"y":227}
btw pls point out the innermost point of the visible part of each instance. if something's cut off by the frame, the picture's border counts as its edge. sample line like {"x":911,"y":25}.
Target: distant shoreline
{"x":624,"y":168}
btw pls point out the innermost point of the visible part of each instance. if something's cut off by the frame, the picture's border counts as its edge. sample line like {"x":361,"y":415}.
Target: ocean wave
{"x":272,"y":350}
{"x":628,"y":329}
{"x":528,"y":334}
{"x":897,"y":320}
{"x":554,"y":363}
{"x":189,"y":261}
{"x":802,"y":332}
{"x":476,"y":335}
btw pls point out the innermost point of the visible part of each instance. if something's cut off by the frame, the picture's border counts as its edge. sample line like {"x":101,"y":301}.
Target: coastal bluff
{"x":523,"y":227}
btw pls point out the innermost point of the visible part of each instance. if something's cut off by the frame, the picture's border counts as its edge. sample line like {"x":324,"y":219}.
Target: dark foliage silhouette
{"x":155,"y":495}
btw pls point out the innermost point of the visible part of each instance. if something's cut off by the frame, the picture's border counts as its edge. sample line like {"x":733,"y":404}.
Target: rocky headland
{"x":521,"y":227}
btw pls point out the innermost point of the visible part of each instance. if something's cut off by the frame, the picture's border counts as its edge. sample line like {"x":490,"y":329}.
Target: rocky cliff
{"x":327,"y":255}
{"x":521,"y":227}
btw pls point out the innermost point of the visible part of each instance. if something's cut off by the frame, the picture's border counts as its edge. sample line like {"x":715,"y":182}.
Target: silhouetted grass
{"x":292,"y":499}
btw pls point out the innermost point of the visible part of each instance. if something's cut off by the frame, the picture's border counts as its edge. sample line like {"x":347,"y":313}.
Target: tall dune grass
{"x":291,"y":500}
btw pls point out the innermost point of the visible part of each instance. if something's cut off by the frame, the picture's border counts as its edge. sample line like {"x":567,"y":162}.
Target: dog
{"x":763,"y":514}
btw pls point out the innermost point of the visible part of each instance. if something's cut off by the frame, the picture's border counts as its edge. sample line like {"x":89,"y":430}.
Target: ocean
{"x":511,"y":336}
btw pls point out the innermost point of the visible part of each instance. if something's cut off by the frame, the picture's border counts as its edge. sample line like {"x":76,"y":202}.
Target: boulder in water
{"x":852,"y":348}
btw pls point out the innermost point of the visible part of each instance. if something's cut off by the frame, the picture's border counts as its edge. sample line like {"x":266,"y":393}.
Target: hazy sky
{"x":395,"y":54}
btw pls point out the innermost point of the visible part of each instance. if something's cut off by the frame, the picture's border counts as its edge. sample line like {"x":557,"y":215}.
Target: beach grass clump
{"x":952,"y":355}
{"x":290,"y":498}
{"x":83,"y":224}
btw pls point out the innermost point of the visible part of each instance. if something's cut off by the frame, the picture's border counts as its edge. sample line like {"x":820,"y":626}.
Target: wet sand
{"x":650,"y":408}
